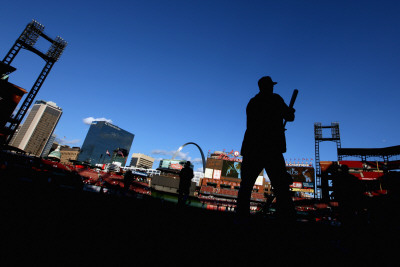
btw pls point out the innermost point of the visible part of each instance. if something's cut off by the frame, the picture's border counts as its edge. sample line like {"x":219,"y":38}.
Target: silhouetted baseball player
{"x":262,"y":148}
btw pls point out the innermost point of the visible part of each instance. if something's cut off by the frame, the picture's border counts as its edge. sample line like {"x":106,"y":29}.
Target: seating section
{"x":88,"y":173}
{"x":361,"y":175}
{"x":228,"y":192}
{"x":207,"y":189}
{"x":257,"y":196}
{"x":371,"y":175}
{"x":357,"y":174}
{"x":352,"y":164}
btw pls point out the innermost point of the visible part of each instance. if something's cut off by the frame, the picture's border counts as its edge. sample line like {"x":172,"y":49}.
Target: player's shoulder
{"x":252,"y":101}
{"x":278,"y":100}
{"x":277,"y":97}
{"x":257,"y":98}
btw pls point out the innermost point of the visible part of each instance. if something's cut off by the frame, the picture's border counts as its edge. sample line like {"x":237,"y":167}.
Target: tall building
{"x":66,"y":154}
{"x":15,"y":134}
{"x":38,"y":127}
{"x":139,"y":160}
{"x":120,"y":155}
{"x":102,"y":140}
{"x":69,"y":153}
{"x":48,"y":146}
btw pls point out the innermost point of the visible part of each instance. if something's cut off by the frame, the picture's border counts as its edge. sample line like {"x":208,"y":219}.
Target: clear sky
{"x":173,"y":72}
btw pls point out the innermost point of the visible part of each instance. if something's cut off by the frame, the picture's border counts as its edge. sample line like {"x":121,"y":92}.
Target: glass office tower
{"x":102,"y":139}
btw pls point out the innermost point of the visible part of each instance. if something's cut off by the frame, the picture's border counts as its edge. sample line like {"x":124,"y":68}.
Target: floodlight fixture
{"x":31,"y":33}
{"x":56,"y":49}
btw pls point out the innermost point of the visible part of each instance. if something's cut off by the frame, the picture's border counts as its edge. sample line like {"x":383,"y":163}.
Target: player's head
{"x":187,"y":164}
{"x":266,"y":84}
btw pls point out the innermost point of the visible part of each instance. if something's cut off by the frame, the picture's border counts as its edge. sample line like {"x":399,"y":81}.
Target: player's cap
{"x":266,"y":80}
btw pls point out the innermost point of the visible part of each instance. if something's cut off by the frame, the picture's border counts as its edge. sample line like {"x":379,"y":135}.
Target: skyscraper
{"x":38,"y":127}
{"x":102,"y":141}
{"x":139,"y":160}
{"x":48,"y":146}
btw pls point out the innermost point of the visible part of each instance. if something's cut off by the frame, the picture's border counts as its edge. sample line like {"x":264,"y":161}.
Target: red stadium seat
{"x":352,"y":164}
{"x":371,"y":175}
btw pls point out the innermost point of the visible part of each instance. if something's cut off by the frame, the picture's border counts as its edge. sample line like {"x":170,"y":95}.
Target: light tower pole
{"x":335,"y":137}
{"x":27,"y":40}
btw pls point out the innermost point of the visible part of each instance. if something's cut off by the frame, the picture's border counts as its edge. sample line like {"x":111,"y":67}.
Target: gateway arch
{"x":201,"y":152}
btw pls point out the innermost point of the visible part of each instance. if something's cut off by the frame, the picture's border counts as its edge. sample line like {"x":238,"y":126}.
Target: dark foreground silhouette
{"x":185,"y":179}
{"x":262,"y":148}
{"x":63,"y":226}
{"x":46,"y":217}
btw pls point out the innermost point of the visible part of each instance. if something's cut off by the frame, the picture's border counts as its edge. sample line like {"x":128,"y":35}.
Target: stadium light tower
{"x":27,"y":40}
{"x":335,"y":137}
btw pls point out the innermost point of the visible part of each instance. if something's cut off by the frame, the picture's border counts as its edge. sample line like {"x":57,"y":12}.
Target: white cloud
{"x":64,"y":141}
{"x":182,"y":155}
{"x":179,"y":155}
{"x":197,"y":160}
{"x":89,"y":120}
{"x":159,"y":152}
{"x":72,"y":142}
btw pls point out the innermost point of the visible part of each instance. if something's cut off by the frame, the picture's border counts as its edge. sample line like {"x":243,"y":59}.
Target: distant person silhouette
{"x":128,"y":178}
{"x":185,"y":179}
{"x":263,"y":144}
{"x":348,"y":193}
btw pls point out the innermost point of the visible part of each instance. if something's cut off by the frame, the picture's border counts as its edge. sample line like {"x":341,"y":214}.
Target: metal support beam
{"x":26,"y":40}
{"x":16,"y":120}
{"x":318,"y":136}
{"x":12,"y":53}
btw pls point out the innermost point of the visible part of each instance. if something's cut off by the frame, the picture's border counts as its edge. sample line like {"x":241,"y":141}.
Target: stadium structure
{"x":10,"y":94}
{"x":371,"y":171}
{"x":220,"y":185}
{"x":371,"y":167}
{"x":164,"y":182}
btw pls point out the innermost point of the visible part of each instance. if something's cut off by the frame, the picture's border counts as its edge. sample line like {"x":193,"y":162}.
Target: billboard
{"x":227,"y":168}
{"x":172,"y":164}
{"x":208,"y":173}
{"x":217,"y":174}
{"x":303,"y":177}
{"x":231,"y":169}
{"x":214,"y":164}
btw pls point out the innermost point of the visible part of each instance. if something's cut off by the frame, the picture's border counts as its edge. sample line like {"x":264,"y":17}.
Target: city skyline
{"x":182,"y":72}
{"x":37,"y":130}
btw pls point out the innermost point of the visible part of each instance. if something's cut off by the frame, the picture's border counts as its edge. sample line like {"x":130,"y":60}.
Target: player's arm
{"x":287,"y":112}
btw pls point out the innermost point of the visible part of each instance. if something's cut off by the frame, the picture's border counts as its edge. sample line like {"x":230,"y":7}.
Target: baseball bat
{"x":292,"y":100}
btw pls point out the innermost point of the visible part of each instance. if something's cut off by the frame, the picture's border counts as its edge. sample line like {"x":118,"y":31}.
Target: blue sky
{"x":173,"y":72}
